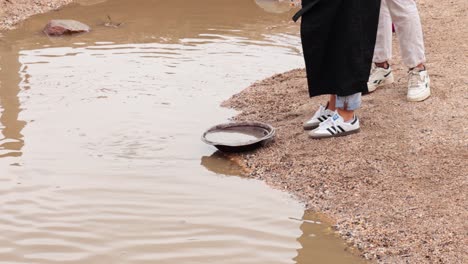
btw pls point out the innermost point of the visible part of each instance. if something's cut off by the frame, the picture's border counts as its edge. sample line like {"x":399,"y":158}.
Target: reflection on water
{"x":100,"y":149}
{"x":221,"y":165}
{"x":11,"y":141}
{"x":319,"y":244}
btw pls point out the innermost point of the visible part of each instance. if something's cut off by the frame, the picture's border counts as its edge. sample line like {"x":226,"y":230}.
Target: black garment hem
{"x":338,"y":39}
{"x":361,"y":87}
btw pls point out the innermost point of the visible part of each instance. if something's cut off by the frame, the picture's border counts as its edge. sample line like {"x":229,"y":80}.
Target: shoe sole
{"x":389,"y":80}
{"x":311,"y":127}
{"x":420,"y":98}
{"x":337,"y":135}
{"x":423,"y":96}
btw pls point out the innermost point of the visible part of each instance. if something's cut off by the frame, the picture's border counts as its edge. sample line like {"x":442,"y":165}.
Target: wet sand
{"x":398,"y":189}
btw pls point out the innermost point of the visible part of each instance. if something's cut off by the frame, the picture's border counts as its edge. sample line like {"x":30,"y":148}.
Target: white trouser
{"x":405,"y":16}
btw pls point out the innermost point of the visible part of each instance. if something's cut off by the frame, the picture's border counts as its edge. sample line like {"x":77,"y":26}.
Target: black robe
{"x":338,"y":40}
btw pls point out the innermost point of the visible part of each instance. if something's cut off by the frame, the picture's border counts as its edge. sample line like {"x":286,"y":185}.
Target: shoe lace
{"x":319,"y":112}
{"x":414,"y":79}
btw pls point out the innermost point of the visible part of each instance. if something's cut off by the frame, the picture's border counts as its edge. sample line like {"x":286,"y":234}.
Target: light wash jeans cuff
{"x":350,"y":103}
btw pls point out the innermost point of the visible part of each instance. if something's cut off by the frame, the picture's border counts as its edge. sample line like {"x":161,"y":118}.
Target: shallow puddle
{"x":100,"y":155}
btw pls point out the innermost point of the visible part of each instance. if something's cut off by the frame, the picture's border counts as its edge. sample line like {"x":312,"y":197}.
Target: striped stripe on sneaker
{"x":335,"y":126}
{"x":320,"y":116}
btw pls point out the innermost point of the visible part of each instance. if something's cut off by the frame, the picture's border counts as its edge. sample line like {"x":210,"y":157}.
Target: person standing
{"x":338,"y":40}
{"x":405,"y":16}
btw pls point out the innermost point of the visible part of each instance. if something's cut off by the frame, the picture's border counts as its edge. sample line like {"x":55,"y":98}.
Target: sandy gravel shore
{"x":397,"y":190}
{"x":14,"y":11}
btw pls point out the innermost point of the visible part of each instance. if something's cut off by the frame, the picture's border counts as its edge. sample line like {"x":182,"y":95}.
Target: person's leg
{"x":316,"y":27}
{"x":381,"y":73}
{"x":405,"y":16}
{"x":343,"y":122}
{"x":332,"y":102}
{"x":346,"y":105}
{"x":408,"y":27}
{"x":383,"y":45}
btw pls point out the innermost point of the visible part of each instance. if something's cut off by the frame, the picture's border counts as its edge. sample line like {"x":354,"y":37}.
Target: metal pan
{"x":259,"y":135}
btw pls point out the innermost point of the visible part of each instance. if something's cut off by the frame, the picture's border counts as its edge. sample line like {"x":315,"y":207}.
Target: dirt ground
{"x":397,"y":190}
{"x":14,"y":11}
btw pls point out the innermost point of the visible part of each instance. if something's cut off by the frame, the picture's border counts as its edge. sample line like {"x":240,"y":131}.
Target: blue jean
{"x":350,"y":103}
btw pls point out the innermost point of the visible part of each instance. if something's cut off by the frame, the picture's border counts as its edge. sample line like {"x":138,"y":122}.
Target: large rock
{"x":61,"y":27}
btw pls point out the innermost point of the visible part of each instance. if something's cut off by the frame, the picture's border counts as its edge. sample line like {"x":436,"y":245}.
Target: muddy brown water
{"x":233,"y":137}
{"x":100,"y":152}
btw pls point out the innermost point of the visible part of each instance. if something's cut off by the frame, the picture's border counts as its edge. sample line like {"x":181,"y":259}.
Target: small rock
{"x":61,"y":27}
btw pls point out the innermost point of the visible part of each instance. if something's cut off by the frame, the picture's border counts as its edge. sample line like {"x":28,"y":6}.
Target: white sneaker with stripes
{"x":321,"y":115}
{"x":335,"y":126}
{"x":379,"y":77}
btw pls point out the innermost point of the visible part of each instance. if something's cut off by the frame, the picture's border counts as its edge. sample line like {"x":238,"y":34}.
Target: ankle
{"x":331,"y":104}
{"x":420,"y":67}
{"x":330,"y":107}
{"x":384,"y":64}
{"x":346,"y":114}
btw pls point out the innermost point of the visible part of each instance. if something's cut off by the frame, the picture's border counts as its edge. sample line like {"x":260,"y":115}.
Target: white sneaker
{"x":321,"y":115}
{"x":419,"y":85}
{"x":379,"y":77}
{"x":335,"y":126}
